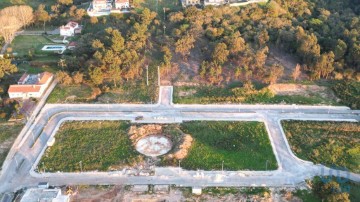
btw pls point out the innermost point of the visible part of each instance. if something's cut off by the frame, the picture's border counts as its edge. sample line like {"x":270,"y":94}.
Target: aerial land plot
{"x":329,"y":143}
{"x":8,"y":134}
{"x":252,"y":94}
{"x":113,"y":145}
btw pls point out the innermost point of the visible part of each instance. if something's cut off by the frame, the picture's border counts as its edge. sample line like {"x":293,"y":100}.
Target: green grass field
{"x":23,"y":44}
{"x":99,"y":145}
{"x":241,"y":145}
{"x":104,"y":145}
{"x":328,"y":143}
{"x":8,"y":134}
{"x":213,"y":94}
{"x":70,"y":94}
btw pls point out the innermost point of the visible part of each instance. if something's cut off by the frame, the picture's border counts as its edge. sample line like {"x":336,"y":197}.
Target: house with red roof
{"x":31,"y":85}
{"x":70,"y":29}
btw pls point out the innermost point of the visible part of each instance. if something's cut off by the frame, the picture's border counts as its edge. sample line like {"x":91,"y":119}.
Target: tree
{"x":63,"y":78}
{"x":297,"y":72}
{"x":78,"y":78}
{"x":23,"y":13}
{"x":262,"y":38}
{"x":80,"y":13}
{"x":323,"y":66}
{"x":41,"y":15}
{"x":236,"y":43}
{"x":221,"y":53}
{"x":96,"y":75}
{"x":340,"y":49}
{"x":94,"y":20}
{"x":276,"y":71}
{"x":65,"y":2}
{"x":184,"y":45}
{"x":6,"y":67}
{"x":9,"y":25}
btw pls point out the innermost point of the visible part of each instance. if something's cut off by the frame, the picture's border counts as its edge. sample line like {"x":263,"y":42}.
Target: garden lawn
{"x":100,"y":145}
{"x":241,"y":145}
{"x":329,"y":143}
{"x":70,"y":94}
{"x":8,"y":134}
{"x":23,"y":44}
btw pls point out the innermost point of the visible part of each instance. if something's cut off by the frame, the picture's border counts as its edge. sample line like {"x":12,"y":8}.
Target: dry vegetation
{"x":335,"y":144}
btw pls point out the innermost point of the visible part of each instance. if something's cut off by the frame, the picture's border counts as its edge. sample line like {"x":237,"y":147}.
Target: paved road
{"x":27,"y":150}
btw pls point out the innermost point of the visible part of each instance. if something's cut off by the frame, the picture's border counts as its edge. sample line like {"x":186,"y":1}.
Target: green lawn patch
{"x":100,"y":145}
{"x":70,"y":94}
{"x":236,"y":94}
{"x":241,"y":145}
{"x":8,"y":134}
{"x":23,"y":44}
{"x":328,"y":143}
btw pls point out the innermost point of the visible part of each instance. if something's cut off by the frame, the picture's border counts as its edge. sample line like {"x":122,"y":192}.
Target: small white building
{"x":214,"y":2}
{"x":186,"y":3}
{"x":44,"y":195}
{"x":69,"y":29}
{"x":31,"y":85}
{"x":120,"y":4}
{"x":101,"y":4}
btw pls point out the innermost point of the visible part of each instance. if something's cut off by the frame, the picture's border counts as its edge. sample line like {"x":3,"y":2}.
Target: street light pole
{"x":158,"y":76}
{"x":147,"y":75}
{"x":222,"y":166}
{"x":80,"y":166}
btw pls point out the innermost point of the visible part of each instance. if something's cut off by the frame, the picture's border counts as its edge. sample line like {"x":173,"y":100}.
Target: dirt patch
{"x":303,"y":90}
{"x":154,"y":145}
{"x":181,"y":142}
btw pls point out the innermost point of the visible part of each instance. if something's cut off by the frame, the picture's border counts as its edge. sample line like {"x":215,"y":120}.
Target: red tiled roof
{"x":44,"y":77}
{"x":24,"y":88}
{"x":23,"y":77}
{"x":121,"y":1}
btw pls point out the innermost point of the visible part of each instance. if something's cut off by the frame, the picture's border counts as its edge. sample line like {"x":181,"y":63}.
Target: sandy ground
{"x":128,"y":194}
{"x":303,"y":90}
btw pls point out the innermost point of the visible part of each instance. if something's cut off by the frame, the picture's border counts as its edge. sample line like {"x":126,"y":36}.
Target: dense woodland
{"x":230,"y":43}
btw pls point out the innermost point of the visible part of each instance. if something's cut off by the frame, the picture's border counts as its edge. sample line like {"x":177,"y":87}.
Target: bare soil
{"x":120,"y":193}
{"x":303,"y":90}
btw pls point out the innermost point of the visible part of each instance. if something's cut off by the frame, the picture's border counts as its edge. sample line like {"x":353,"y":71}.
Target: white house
{"x":31,"y":85}
{"x":69,"y":29}
{"x":119,"y":4}
{"x":214,"y":2}
{"x":101,"y":4}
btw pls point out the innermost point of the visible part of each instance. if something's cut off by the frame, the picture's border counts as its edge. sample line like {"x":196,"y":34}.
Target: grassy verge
{"x":99,"y":145}
{"x":74,"y":94}
{"x":348,"y":92}
{"x":8,"y":134}
{"x":241,"y":145}
{"x":328,"y":143}
{"x":228,"y":94}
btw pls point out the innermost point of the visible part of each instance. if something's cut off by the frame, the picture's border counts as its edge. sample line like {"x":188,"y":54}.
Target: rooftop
{"x":43,"y":195}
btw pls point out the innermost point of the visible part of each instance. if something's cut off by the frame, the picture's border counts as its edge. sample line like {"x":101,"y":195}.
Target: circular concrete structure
{"x":154,"y":145}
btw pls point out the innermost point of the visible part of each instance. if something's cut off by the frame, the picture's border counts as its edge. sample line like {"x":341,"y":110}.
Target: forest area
{"x":214,"y":45}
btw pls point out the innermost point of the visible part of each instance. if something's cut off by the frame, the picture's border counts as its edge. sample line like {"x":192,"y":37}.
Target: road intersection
{"x":18,"y":168}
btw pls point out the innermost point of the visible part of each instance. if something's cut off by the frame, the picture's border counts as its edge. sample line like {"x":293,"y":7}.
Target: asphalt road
{"x":18,"y":169}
